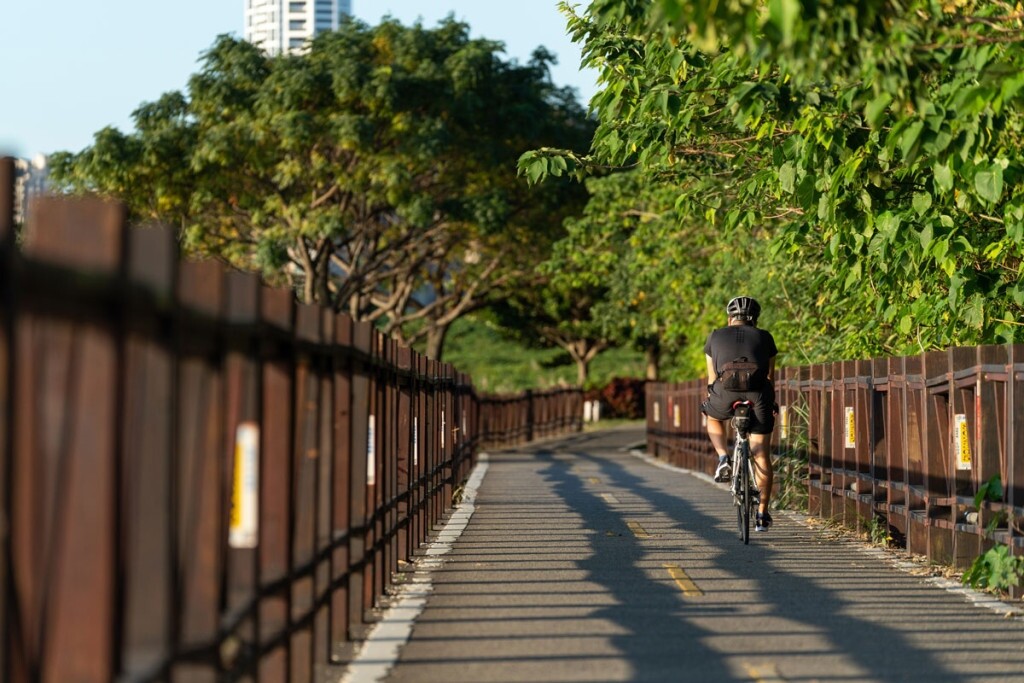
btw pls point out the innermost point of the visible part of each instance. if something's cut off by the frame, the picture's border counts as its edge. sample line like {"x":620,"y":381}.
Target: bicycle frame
{"x":743,"y":473}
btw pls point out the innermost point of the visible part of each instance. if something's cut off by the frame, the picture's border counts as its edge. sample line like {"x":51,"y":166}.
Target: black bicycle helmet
{"x":744,"y":308}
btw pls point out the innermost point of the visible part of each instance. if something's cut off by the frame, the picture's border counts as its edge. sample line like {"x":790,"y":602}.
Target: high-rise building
{"x":31,"y":179}
{"x":280,"y":26}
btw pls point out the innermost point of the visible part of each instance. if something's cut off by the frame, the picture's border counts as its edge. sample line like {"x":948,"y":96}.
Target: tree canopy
{"x":374,"y":173}
{"x":865,"y":155}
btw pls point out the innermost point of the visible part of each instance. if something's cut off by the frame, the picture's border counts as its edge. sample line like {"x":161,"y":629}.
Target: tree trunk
{"x":652,"y":359}
{"x":582,"y":370}
{"x":308,"y":286}
{"x":435,"y":341}
{"x":323,"y":270}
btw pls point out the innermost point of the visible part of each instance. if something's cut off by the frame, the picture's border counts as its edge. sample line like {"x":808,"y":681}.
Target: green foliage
{"x":791,"y":462}
{"x":996,"y":570}
{"x":374,"y":173}
{"x":877,"y":530}
{"x":991,"y":490}
{"x":499,"y":364}
{"x":870,"y":153}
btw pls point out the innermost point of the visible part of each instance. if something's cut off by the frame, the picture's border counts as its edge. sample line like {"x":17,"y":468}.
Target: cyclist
{"x":741,"y":365}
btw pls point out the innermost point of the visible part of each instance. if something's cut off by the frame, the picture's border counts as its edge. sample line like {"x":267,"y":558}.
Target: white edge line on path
{"x":985,"y":600}
{"x":379,"y":652}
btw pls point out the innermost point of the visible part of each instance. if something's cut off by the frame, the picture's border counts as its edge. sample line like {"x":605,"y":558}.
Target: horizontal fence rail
{"x":910,"y":441}
{"x":202,"y":479}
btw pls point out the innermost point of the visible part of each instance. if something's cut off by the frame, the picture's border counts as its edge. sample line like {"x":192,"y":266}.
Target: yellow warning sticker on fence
{"x":962,"y":442}
{"x":677,"y":419}
{"x":783,"y":422}
{"x":245,"y":489}
{"x":851,"y":429}
{"x":657,"y":412}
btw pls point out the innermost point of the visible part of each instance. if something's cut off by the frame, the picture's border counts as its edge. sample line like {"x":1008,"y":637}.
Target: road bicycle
{"x":744,"y":493}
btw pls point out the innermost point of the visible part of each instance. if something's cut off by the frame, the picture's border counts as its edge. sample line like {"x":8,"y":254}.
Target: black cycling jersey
{"x":741,"y":341}
{"x":757,"y":346}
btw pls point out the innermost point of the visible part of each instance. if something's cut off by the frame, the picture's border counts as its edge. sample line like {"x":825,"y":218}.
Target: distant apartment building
{"x":31,"y":179}
{"x":280,"y":26}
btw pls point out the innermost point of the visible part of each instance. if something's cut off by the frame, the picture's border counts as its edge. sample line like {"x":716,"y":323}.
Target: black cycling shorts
{"x":762,"y":417}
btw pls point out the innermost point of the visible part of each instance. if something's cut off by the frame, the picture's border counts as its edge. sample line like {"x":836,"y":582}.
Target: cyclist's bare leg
{"x":762,"y":467}
{"x":719,"y":440}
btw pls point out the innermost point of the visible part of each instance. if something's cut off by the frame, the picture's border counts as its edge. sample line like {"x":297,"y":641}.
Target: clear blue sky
{"x":73,"y":67}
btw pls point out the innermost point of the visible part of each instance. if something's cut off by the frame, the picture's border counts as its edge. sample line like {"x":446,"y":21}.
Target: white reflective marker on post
{"x":245,"y":490}
{"x":371,"y":453}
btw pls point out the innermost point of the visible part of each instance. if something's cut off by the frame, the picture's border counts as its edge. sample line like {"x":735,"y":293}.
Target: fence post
{"x":346,"y":594}
{"x":148,"y":415}
{"x":939,"y":458}
{"x":6,"y":390}
{"x":66,"y":485}
{"x":324,"y":529}
{"x":361,"y":561}
{"x":304,"y":464}
{"x":276,"y":317}
{"x":819,"y":436}
{"x":1014,"y":485}
{"x":243,"y":424}
{"x":198,"y":475}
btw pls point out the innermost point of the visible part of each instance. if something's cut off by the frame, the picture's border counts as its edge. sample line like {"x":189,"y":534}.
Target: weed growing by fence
{"x":791,"y":462}
{"x":995,"y":570}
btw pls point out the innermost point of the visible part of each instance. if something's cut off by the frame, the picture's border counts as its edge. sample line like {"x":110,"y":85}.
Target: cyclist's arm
{"x":712,"y":374}
{"x":771,"y":369}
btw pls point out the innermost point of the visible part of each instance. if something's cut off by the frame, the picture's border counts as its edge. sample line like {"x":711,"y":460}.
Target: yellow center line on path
{"x":683,"y":580}
{"x":609,"y":498}
{"x":764,"y":673}
{"x":637,"y":530}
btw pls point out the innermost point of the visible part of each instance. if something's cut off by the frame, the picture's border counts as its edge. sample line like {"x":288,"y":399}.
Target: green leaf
{"x":955,"y":283}
{"x":784,"y":14}
{"x":910,"y":138}
{"x":974,"y":313}
{"x":943,"y":177}
{"x":875,"y":109}
{"x":537,"y":170}
{"x":853,"y":278}
{"x":927,"y":234}
{"x":805,"y":192}
{"x":989,"y":183}
{"x":922,"y":202}
{"x":991,"y":490}
{"x":787,"y":177}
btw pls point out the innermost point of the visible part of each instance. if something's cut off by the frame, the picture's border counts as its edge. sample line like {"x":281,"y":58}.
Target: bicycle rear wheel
{"x":742,"y":493}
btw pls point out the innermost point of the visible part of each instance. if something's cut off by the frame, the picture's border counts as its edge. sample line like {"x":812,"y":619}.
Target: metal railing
{"x":908,"y":441}
{"x":200,"y":478}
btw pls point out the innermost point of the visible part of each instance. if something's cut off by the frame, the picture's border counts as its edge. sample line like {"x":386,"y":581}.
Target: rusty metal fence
{"x":908,"y":441}
{"x":199,"y":478}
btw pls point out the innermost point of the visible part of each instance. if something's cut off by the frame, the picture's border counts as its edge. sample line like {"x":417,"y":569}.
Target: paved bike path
{"x":584,"y":562}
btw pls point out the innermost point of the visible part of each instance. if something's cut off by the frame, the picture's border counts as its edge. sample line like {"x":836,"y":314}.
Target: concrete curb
{"x":379,"y":652}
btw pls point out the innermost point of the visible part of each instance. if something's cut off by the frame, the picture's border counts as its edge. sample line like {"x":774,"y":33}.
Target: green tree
{"x":877,"y":145}
{"x":554,"y":312}
{"x":374,"y":173}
